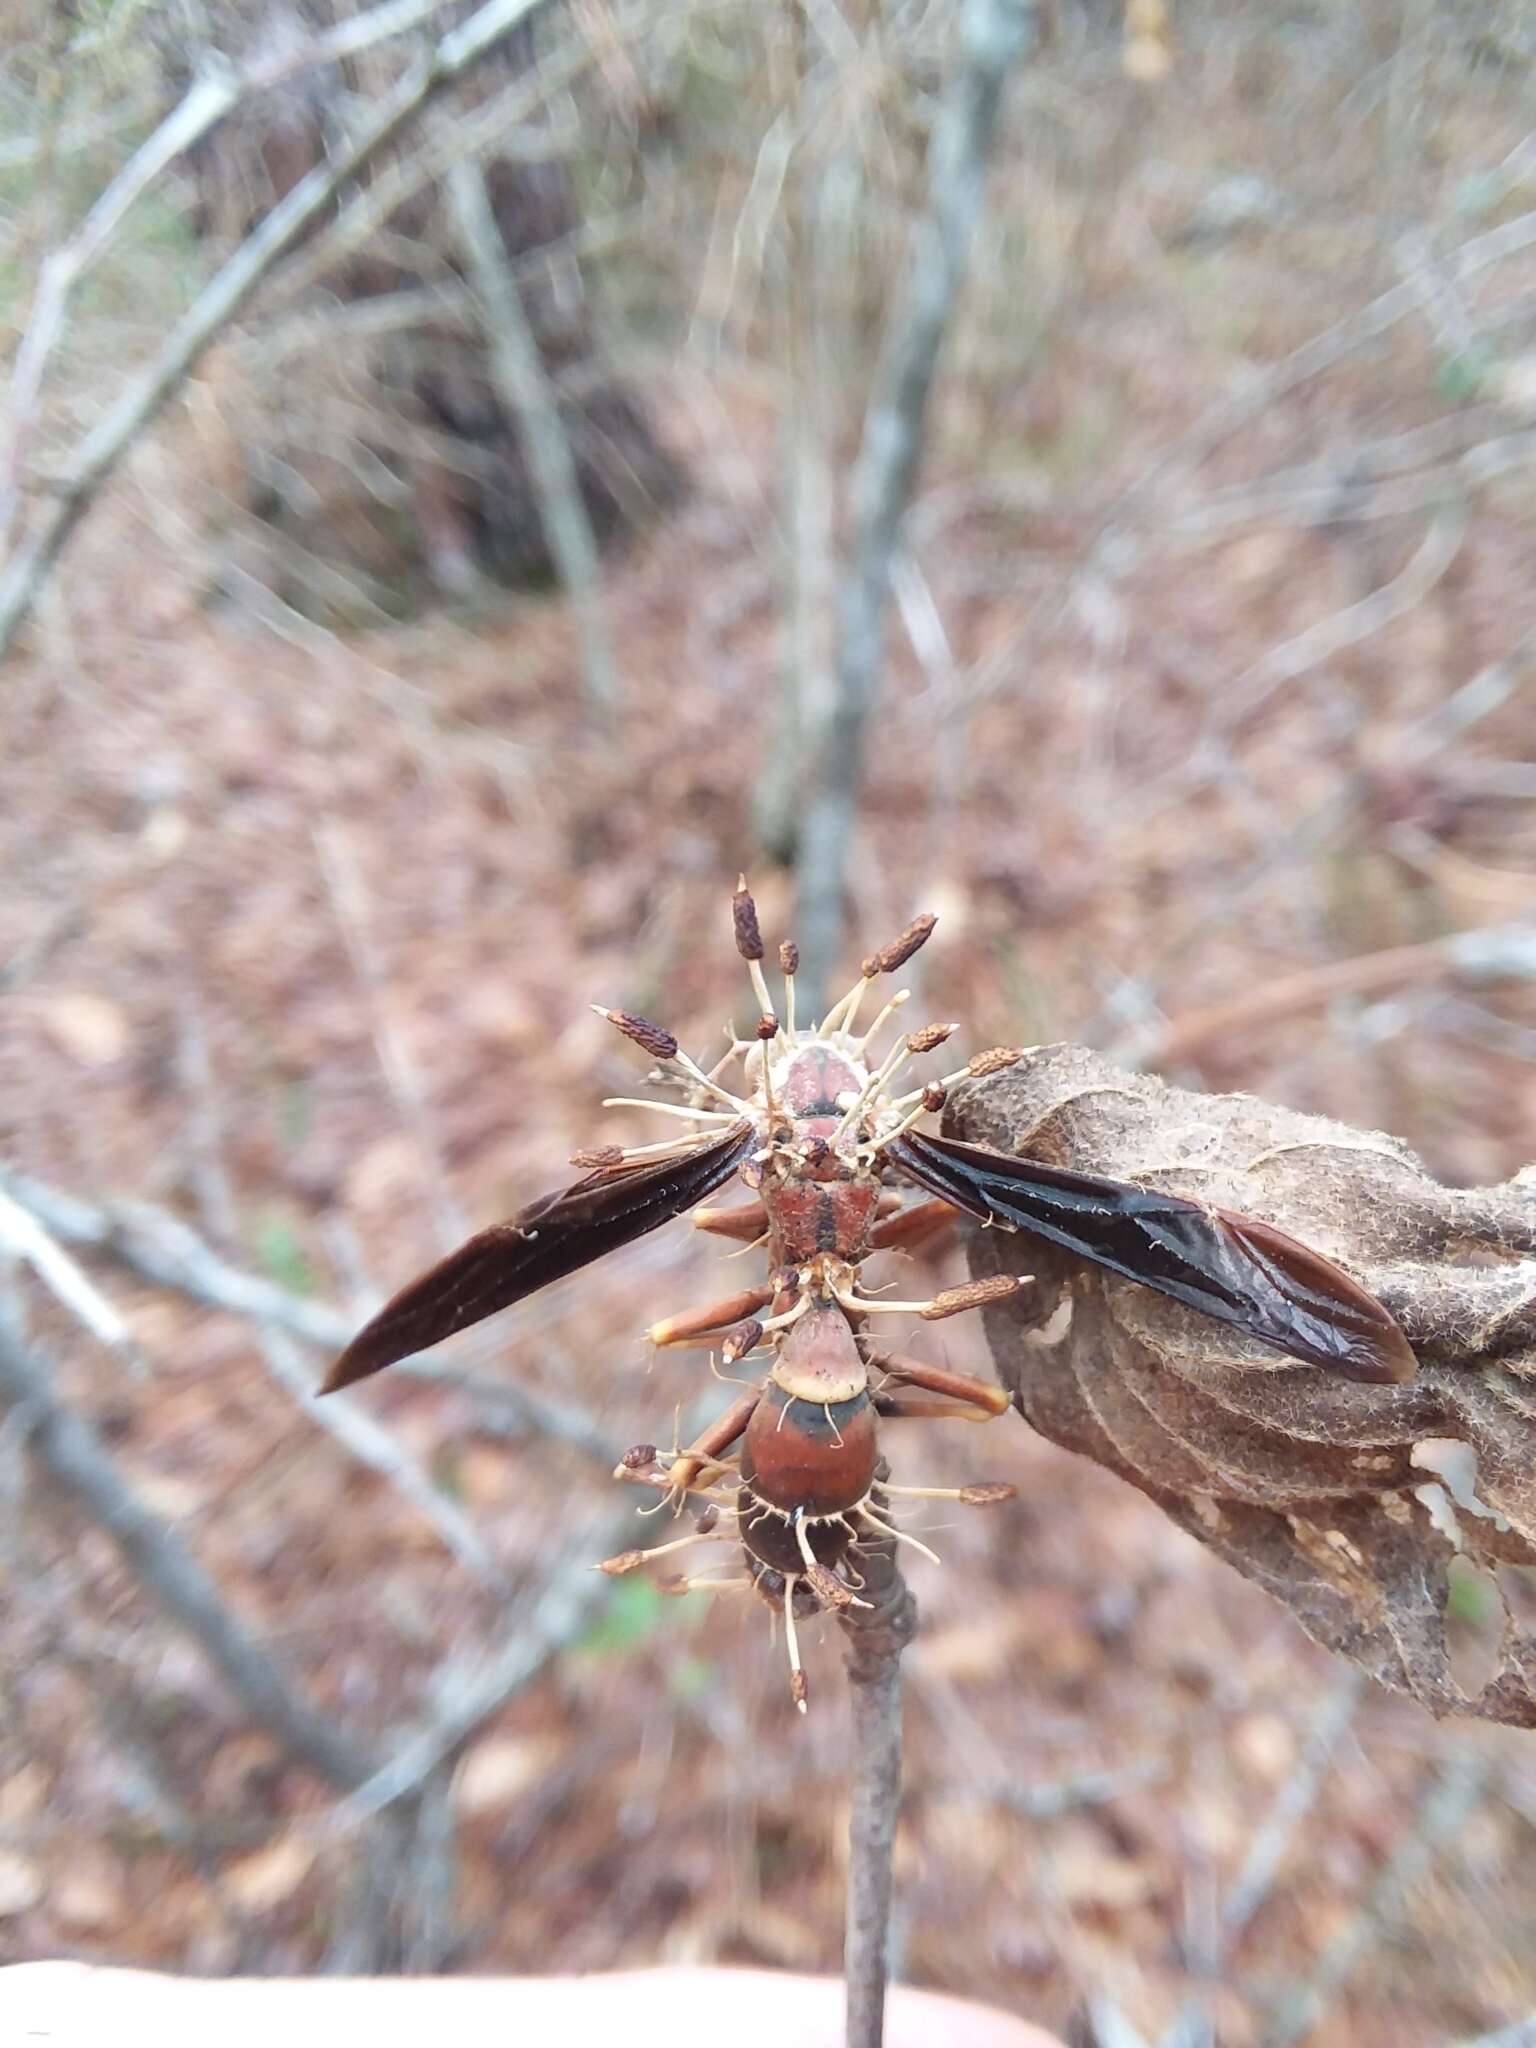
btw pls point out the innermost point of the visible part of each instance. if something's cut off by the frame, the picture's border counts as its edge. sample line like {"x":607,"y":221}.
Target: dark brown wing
{"x":1232,"y":1267}
{"x":542,"y":1243}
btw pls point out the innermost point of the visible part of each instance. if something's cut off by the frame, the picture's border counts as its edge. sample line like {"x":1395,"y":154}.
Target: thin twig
{"x":474,"y":133}
{"x":522,"y":385}
{"x":209,"y":98}
{"x":1452,"y":1798}
{"x":164,"y":1250}
{"x":1323,"y":352}
{"x":76,"y":1457}
{"x":1424,"y":740}
{"x":876,"y":1637}
{"x":1320,"y":642}
{"x":218,"y":88}
{"x":24,"y":1237}
{"x":1271,"y":1842}
{"x":1487,"y":953}
{"x":1291,"y":1805}
{"x":365,"y":1438}
{"x":469,"y":1691}
{"x":993,"y":35}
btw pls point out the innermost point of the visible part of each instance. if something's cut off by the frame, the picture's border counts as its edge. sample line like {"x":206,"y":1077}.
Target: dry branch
{"x":993,"y":34}
{"x":74,"y":1455}
{"x":1323,"y":352}
{"x":471,"y":1690}
{"x":363,"y":1437}
{"x":1452,"y":1799}
{"x":875,"y":1635}
{"x":524,"y":388}
{"x":209,"y":98}
{"x":1323,"y":1490}
{"x":162,"y":1249}
{"x":1485,"y":954}
{"x":99,"y":453}
{"x":24,"y":1237}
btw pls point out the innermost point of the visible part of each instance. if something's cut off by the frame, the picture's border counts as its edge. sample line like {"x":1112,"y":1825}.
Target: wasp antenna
{"x":660,"y":1044}
{"x":749,"y":941}
{"x":789,"y":967}
{"x":901,"y":949}
{"x":749,"y":938}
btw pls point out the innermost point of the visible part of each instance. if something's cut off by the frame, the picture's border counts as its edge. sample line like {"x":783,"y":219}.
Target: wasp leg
{"x":680,"y":1584}
{"x":911,"y":1381}
{"x":704,"y":1324}
{"x":707,"y":1447}
{"x":984,"y":1493}
{"x":909,"y":1228}
{"x":950,"y":1301}
{"x":746,"y":1222}
{"x":631,"y":1560}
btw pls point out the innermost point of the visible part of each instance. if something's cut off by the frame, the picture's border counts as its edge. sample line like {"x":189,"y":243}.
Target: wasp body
{"x":820,"y":1135}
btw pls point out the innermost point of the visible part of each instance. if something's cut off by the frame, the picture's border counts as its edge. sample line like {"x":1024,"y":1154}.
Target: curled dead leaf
{"x":1308,"y":1483}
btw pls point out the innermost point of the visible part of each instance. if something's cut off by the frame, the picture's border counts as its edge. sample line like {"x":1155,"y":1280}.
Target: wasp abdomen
{"x":814,"y":1455}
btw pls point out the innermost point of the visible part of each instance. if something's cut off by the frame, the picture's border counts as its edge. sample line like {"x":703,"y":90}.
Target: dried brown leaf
{"x":1304,"y":1482}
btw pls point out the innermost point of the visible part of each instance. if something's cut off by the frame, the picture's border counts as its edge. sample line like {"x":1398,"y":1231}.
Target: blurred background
{"x":474,"y":481}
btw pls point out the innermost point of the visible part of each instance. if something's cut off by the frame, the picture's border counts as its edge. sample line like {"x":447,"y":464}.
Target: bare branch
{"x":1449,"y":1804}
{"x":365,"y":1438}
{"x":875,"y":1635}
{"x":74,"y":1454}
{"x":1488,"y":953}
{"x":1320,"y":642}
{"x":469,"y":1693}
{"x":517,"y":371}
{"x":22,"y":1235}
{"x":103,"y":448}
{"x":994,"y":34}
{"x":1291,"y":1804}
{"x":164,"y":1250}
{"x":210,"y":97}
{"x":1323,"y":352}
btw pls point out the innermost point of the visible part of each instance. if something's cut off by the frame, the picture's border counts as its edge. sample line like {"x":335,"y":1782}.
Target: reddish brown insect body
{"x":789,"y":1471}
